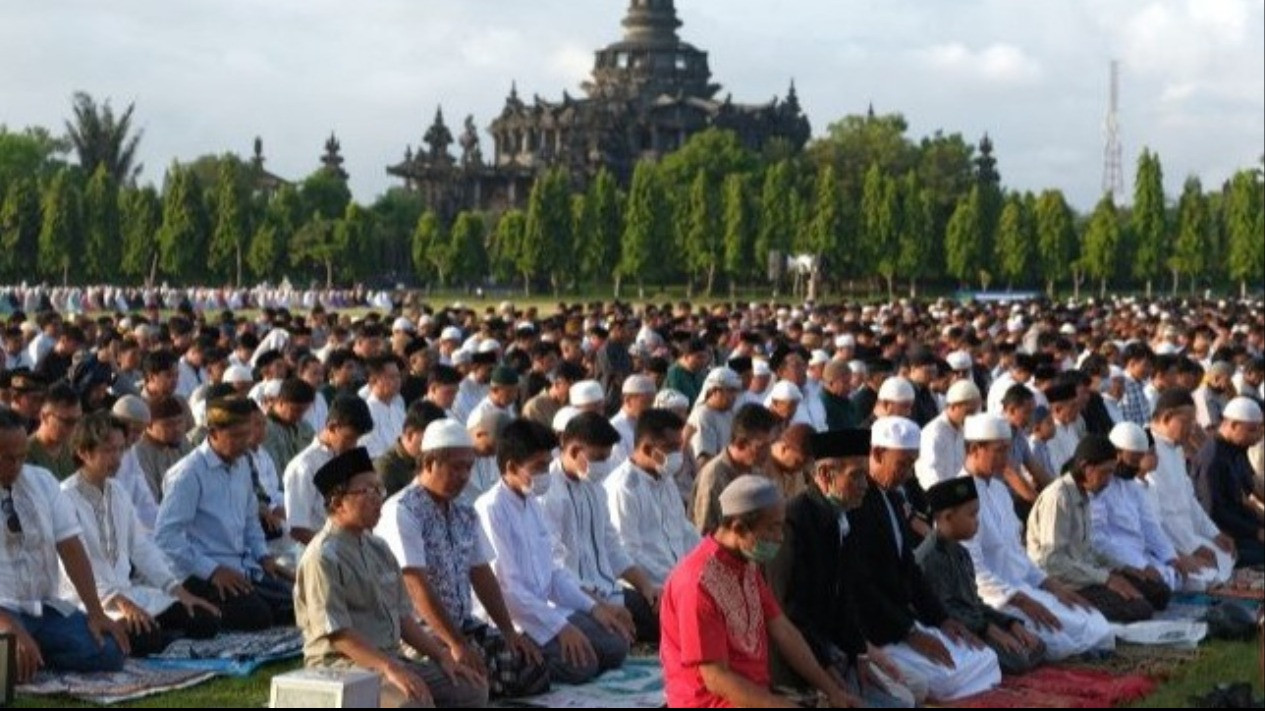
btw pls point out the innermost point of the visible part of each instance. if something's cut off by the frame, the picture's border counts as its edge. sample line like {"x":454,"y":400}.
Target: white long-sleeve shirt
{"x":1063,"y":445}
{"x":483,"y":476}
{"x":1002,"y":566}
{"x":650,"y":518}
{"x":584,"y":537}
{"x":1125,"y":527}
{"x":29,"y":565}
{"x":304,"y":505}
{"x":1187,"y":525}
{"x":942,"y":453}
{"x":131,"y":480}
{"x":627,"y":429}
{"x":469,"y":394}
{"x":388,"y":425}
{"x":117,"y":544}
{"x":812,"y":406}
{"x":539,"y":592}
{"x":190,"y":378}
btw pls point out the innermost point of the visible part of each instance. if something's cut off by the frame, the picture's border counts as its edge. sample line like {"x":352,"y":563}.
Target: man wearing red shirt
{"x":718,"y":615}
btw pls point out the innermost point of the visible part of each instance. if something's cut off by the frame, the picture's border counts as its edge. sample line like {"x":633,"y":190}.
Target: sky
{"x":207,"y":76}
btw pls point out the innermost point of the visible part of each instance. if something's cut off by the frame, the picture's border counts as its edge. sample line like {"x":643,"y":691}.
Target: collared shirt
{"x":717,"y":474}
{"x":712,"y":430}
{"x":716,"y":609}
{"x":209,"y":517}
{"x":305,"y":507}
{"x":59,"y":462}
{"x":189,"y":378}
{"x":542,"y":408}
{"x":627,"y":429}
{"x":1126,"y":528}
{"x":284,"y":441}
{"x":21,"y":359}
{"x":132,"y":482}
{"x":469,"y":394}
{"x":445,"y":542}
{"x":1224,"y":480}
{"x":156,"y":459}
{"x":388,"y":424}
{"x":1135,"y":406}
{"x":943,"y":452}
{"x":348,"y":581}
{"x":483,"y":476}
{"x":125,"y":561}
{"x":396,"y":468}
{"x":539,"y":591}
{"x":1188,"y":526}
{"x":1059,"y":536}
{"x":685,"y":382}
{"x":813,"y":407}
{"x":648,"y":515}
{"x":948,"y":569}
{"x":1002,"y":566}
{"x":1062,"y":446}
{"x":28,"y":560}
{"x":1208,"y":407}
{"x":577,"y":514}
{"x":317,"y":414}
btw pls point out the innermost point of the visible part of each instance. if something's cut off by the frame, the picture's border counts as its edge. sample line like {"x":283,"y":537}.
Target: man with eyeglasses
{"x":50,"y":445}
{"x":41,"y":530}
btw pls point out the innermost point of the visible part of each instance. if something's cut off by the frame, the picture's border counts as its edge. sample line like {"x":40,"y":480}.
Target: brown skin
{"x":57,"y":424}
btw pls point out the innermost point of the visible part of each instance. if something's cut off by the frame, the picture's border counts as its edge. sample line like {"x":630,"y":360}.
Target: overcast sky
{"x":207,"y":76}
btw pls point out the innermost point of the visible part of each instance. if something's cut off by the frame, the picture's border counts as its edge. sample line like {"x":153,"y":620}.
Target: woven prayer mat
{"x":1158,"y":663}
{"x":135,"y":681}
{"x":1247,"y":584}
{"x":232,"y":653}
{"x":638,"y":684}
{"x":1060,"y":686}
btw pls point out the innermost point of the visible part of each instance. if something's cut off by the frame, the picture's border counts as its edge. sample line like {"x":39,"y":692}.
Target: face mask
{"x":1124,"y":471}
{"x":672,"y":463}
{"x":540,"y":484}
{"x":597,"y":471}
{"x":763,"y":553}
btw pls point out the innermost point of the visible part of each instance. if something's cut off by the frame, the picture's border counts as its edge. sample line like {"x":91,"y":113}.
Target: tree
{"x":20,"y":225}
{"x":583,"y":223}
{"x":395,"y":215}
{"x":703,"y":247}
{"x":964,"y":241}
{"x":102,"y":227}
{"x":1147,"y":226}
{"x":776,"y":218}
{"x":505,"y":243}
{"x":600,"y":246}
{"x":991,"y":198}
{"x":33,"y":153}
{"x":276,"y":229}
{"x":546,"y":241}
{"x":1014,"y":245}
{"x":947,"y":170}
{"x":1245,"y":222}
{"x":1056,"y":238}
{"x":1192,"y":235}
{"x":313,"y":243}
{"x":470,"y":263}
{"x":182,"y":237}
{"x":739,"y":224}
{"x":917,"y":217}
{"x":228,"y":240}
{"x":1102,"y":237}
{"x":647,"y":230}
{"x":325,"y":194}
{"x":826,"y":231}
{"x":352,"y":236}
{"x":61,"y":234}
{"x":879,"y":227}
{"x":432,"y":253}
{"x":100,"y":138}
{"x":142,"y":217}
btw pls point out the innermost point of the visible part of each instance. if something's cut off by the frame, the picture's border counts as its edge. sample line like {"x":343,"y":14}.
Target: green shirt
{"x":284,"y":442}
{"x":683,"y":381}
{"x":841,"y":414}
{"x":60,"y":462}
{"x":396,"y":467}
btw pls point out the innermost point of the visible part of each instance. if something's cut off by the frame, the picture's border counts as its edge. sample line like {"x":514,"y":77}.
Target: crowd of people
{"x":881,"y":504}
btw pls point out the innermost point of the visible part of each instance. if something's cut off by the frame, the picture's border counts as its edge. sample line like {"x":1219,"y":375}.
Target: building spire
{"x":651,"y":20}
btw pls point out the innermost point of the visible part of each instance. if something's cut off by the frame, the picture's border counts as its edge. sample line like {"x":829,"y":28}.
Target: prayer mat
{"x":1247,"y":584}
{"x":135,"y":681}
{"x":231,"y":653}
{"x":1062,"y":687}
{"x":1154,"y":662}
{"x":638,"y":684}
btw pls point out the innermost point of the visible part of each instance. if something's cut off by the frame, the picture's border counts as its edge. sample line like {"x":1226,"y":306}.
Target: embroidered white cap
{"x":670,"y":399}
{"x":238,"y":375}
{"x":563,"y":418}
{"x":403,"y":324}
{"x":638,"y":385}
{"x":786,"y":391}
{"x":1129,"y":437}
{"x":586,"y":392}
{"x":896,"y":433}
{"x":446,"y":434}
{"x":1242,"y":409}
{"x":761,"y":369}
{"x":962,"y":391}
{"x":450,"y":333}
{"x":959,"y":360}
{"x":986,"y":428}
{"x":819,"y":357}
{"x":896,"y":389}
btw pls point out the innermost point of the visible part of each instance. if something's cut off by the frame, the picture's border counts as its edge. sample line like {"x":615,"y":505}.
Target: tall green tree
{"x":142,"y":218}
{"x":395,"y":215}
{"x":505,"y":244}
{"x":227,"y":250}
{"x":352,"y":235}
{"x":776,"y":218}
{"x":1193,"y":228}
{"x":183,"y":235}
{"x":1015,"y":241}
{"x":739,"y":227}
{"x":1056,"y":239}
{"x":102,"y":227}
{"x":1102,"y":239}
{"x":880,"y":228}
{"x":964,"y":241}
{"x":545,"y":250}
{"x":826,"y":232}
{"x":647,"y":228}
{"x":61,"y":234}
{"x":1245,"y":223}
{"x":703,"y":246}
{"x":946,"y":169}
{"x":20,"y":224}
{"x":282,"y":217}
{"x":432,"y":251}
{"x":1147,"y":226}
{"x":316,"y":244}
{"x":100,"y":138}
{"x":31,"y":153}
{"x":915,"y":227}
{"x":470,"y":262}
{"x":600,"y":247}
{"x":325,"y":194}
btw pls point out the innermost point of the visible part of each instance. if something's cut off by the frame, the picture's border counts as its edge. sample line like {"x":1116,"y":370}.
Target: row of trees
{"x":872,"y":207}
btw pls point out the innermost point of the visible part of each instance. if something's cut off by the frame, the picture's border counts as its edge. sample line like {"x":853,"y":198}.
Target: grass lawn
{"x":1221,"y":662}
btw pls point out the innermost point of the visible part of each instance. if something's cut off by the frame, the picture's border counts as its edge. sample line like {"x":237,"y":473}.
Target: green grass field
{"x":1220,"y":662}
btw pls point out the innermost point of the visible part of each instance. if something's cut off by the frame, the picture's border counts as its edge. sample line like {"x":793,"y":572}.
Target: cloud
{"x":999,"y":64}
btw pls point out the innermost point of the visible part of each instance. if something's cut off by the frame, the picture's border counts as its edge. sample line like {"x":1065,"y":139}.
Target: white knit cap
{"x":451,"y":333}
{"x":462,"y":357}
{"x":896,"y":433}
{"x":1129,"y":437}
{"x":847,"y":340}
{"x":489,"y":345}
{"x":962,"y":391}
{"x":786,"y":391}
{"x":638,"y":385}
{"x":761,"y":369}
{"x":986,"y":428}
{"x":819,"y":357}
{"x":131,"y":408}
{"x":586,"y":392}
{"x":721,"y":377}
{"x":403,"y":324}
{"x":1242,"y":409}
{"x":446,"y":434}
{"x":896,"y":389}
{"x":959,"y":360}
{"x":669,"y":399}
{"x":236,"y":374}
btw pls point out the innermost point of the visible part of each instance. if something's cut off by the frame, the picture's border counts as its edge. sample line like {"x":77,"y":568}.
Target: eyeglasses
{"x":377,"y":491}
{"x":11,"y":520}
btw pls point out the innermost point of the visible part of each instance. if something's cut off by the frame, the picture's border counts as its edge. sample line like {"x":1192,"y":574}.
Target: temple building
{"x":647,"y":95}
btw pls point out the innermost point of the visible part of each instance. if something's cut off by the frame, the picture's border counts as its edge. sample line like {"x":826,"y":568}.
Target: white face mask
{"x":672,"y":464}
{"x":597,"y":471}
{"x":540,"y":484}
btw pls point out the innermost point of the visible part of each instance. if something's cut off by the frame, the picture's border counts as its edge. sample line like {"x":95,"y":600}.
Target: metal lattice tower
{"x":1113,"y":152}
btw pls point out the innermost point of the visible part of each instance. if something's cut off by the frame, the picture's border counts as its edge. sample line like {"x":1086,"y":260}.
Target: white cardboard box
{"x":326,"y":689}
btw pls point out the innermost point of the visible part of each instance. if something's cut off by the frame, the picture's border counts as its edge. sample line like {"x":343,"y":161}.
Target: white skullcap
{"x":446,"y":434}
{"x":986,"y":428}
{"x":962,"y":391}
{"x":1015,"y":325}
{"x":896,"y":433}
{"x":131,"y":408}
{"x":1067,"y":329}
{"x":786,"y":391}
{"x":489,"y":345}
{"x":747,"y":494}
{"x":858,"y":367}
{"x":847,"y":340}
{"x":721,"y":377}
{"x":669,"y":399}
{"x":819,"y":357}
{"x":403,"y":324}
{"x":238,"y":374}
{"x":451,"y":333}
{"x":586,"y":392}
{"x":1242,"y":409}
{"x":563,"y":418}
{"x":1129,"y":437}
{"x":761,"y":369}
{"x":270,"y":389}
{"x":638,"y":385}
{"x":1116,"y":372}
{"x":462,"y":357}
{"x":959,"y":360}
{"x":896,"y":389}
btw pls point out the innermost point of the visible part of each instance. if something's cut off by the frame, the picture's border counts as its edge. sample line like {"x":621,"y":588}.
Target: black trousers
{"x":269,"y":603}
{"x":1155,"y":596}
{"x":175,"y":622}
{"x":645,"y":619}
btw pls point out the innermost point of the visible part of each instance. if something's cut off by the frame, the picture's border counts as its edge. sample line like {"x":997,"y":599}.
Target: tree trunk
{"x":526,"y":285}
{"x":238,"y":281}
{"x":1049,"y":289}
{"x":913,"y":288}
{"x":153,"y":270}
{"x":1243,"y":289}
{"x":1177,"y":278}
{"x":733,"y":289}
{"x":711,"y":279}
{"x":689,"y":287}
{"x":65,"y":273}
{"x":1148,"y":288}
{"x":618,"y":280}
{"x":329,"y":274}
{"x":641,"y":289}
{"x":1102,"y":288}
